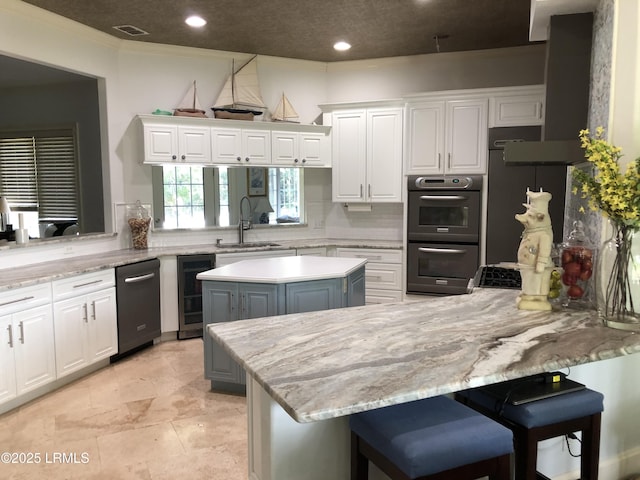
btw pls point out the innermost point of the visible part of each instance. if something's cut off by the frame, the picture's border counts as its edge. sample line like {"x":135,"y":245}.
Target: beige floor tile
{"x":150,"y":416}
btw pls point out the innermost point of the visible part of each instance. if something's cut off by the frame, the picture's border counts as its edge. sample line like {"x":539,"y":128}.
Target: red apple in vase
{"x":567,"y":257}
{"x":569,"y":280}
{"x":573,"y":269}
{"x":575,"y":291}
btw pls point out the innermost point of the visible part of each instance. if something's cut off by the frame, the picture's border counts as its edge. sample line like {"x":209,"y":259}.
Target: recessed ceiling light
{"x":195,"y":21}
{"x":341,"y":46}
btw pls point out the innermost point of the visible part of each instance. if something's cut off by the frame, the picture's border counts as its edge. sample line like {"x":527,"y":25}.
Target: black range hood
{"x":567,"y":76}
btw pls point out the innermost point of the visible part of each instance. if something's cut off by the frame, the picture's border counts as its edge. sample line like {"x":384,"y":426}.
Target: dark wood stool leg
{"x":526,"y":453}
{"x":590,"y":450}
{"x":359,"y":463}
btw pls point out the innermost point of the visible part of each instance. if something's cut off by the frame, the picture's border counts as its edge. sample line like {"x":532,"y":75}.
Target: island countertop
{"x":284,"y":269}
{"x":328,"y":364}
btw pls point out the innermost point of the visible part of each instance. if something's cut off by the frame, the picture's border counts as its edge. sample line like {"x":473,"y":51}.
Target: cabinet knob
{"x":295,"y":160}
{"x":304,"y":160}
{"x":246,"y":159}
{"x":184,"y":157}
{"x":238,"y":159}
{"x":173,"y":157}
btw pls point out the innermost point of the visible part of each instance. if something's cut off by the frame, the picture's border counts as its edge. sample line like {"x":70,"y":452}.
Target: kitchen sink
{"x":247,"y":245}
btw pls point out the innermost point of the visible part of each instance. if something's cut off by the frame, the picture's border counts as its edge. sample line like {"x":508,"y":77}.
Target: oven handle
{"x":441,"y":250}
{"x":443,"y":197}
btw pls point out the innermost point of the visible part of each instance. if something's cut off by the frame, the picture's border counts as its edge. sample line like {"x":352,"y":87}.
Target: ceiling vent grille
{"x":131,"y":30}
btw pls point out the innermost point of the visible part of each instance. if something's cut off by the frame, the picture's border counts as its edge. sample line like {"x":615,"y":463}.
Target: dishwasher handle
{"x":140,"y":278}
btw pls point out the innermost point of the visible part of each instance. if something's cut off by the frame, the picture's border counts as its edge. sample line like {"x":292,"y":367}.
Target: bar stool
{"x":432,"y":439}
{"x":540,"y":420}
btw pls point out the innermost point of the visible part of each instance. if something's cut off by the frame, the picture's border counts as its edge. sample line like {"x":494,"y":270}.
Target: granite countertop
{"x":42,"y":272}
{"x":284,"y":269}
{"x":332,"y":363}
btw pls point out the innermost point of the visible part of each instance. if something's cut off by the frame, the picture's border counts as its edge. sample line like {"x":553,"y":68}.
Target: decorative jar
{"x":139,"y":219}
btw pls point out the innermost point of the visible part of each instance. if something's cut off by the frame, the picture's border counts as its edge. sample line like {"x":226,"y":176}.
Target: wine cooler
{"x":190,"y":293}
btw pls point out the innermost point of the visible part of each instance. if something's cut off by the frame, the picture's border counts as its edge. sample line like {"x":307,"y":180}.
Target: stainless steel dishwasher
{"x":138,"y":299}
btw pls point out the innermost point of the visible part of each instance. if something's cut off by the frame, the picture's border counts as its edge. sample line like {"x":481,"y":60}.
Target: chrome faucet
{"x":244,"y":224}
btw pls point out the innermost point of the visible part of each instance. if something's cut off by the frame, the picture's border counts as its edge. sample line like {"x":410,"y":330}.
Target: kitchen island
{"x":321,"y":367}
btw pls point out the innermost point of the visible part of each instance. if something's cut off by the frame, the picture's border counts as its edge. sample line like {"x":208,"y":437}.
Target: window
{"x":38,"y":173}
{"x":284,"y":194}
{"x":194,"y":197}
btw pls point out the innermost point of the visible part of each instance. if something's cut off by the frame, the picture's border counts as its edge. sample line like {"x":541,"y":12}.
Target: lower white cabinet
{"x":383,"y":272}
{"x":85,"y":320}
{"x":26,"y":346}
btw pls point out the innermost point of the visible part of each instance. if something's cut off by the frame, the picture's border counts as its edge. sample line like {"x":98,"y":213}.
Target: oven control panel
{"x":472,"y":182}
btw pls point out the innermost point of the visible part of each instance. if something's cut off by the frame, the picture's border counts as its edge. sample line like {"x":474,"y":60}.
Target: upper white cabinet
{"x":518,"y":106}
{"x":241,"y":146}
{"x":300,"y":149}
{"x":206,"y":141}
{"x":447,"y":136}
{"x":176,"y":144}
{"x":367,"y":154}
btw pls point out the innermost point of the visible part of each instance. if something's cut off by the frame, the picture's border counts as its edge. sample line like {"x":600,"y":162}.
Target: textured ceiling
{"x":307,"y":29}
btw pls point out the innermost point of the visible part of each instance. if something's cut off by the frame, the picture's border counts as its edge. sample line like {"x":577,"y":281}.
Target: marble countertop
{"x":42,"y":272}
{"x":284,"y":269}
{"x":332,"y":363}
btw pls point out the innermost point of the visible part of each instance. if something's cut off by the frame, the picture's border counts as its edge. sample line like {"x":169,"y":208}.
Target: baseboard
{"x":625,"y":466}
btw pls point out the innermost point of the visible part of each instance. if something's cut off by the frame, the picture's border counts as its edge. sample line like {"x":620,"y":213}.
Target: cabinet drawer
{"x":24,"y":298}
{"x":81,"y":284}
{"x":383,"y":296}
{"x":383,"y":276}
{"x":317,"y":251}
{"x":373,"y":255}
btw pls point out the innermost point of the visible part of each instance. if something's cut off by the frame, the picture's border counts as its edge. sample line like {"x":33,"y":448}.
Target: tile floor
{"x":151,"y":416}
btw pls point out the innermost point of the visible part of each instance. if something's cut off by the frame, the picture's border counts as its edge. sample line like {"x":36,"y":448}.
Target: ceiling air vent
{"x":131,"y":30}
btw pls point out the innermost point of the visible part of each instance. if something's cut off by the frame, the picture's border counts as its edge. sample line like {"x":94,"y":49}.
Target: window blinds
{"x":38,"y":173}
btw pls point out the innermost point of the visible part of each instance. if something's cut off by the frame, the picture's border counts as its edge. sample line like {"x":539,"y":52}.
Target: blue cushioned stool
{"x":543,"y":419}
{"x":432,"y":439}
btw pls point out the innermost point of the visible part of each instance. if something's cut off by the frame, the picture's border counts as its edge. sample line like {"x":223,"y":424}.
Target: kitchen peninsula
{"x":310,"y":371}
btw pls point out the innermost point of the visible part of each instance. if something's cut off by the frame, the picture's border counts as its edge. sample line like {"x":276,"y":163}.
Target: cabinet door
{"x":349,"y":156}
{"x":160,"y":143}
{"x":7,"y":360}
{"x":516,"y":110}
{"x":314,"y":150}
{"x":194,"y":144}
{"x":257,"y":300}
{"x":34,"y":352}
{"x":219,"y":301}
{"x":356,"y":288}
{"x":384,"y":155}
{"x":313,"y":296}
{"x":71,"y":318}
{"x":286,"y":148}
{"x":425,"y":138}
{"x":226,"y":145}
{"x":103,"y":325}
{"x":256,"y":147}
{"x":466,"y":137}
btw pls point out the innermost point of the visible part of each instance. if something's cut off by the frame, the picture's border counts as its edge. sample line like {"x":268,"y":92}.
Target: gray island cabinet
{"x":267,"y":287}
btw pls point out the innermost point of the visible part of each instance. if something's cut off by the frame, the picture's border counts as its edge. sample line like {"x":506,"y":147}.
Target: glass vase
{"x":619,"y":280}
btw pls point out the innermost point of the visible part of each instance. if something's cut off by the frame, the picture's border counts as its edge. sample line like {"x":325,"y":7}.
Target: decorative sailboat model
{"x":285,"y":112}
{"x":190,"y":106}
{"x":240,"y":98}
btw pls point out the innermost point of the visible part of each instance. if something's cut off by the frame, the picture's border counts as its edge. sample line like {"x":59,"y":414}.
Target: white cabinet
{"x":383,"y":272}
{"x":517,"y":107}
{"x":223,"y":259}
{"x":300,"y":149}
{"x":447,"y":136}
{"x":187,"y":144}
{"x":241,"y":146}
{"x":26,"y":346}
{"x":367,"y":155}
{"x":85,"y":320}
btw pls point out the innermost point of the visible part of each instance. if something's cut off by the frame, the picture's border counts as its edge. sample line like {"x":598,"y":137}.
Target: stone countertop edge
{"x":280,"y":270}
{"x":42,"y":272}
{"x":339,"y":362}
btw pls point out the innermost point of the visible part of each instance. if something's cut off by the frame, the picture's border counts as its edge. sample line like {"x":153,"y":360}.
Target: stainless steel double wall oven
{"x":443,"y":233}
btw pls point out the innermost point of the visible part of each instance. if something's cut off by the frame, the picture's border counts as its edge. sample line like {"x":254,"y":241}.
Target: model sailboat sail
{"x":240,"y":97}
{"x":285,"y":112}
{"x":190,"y":105}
